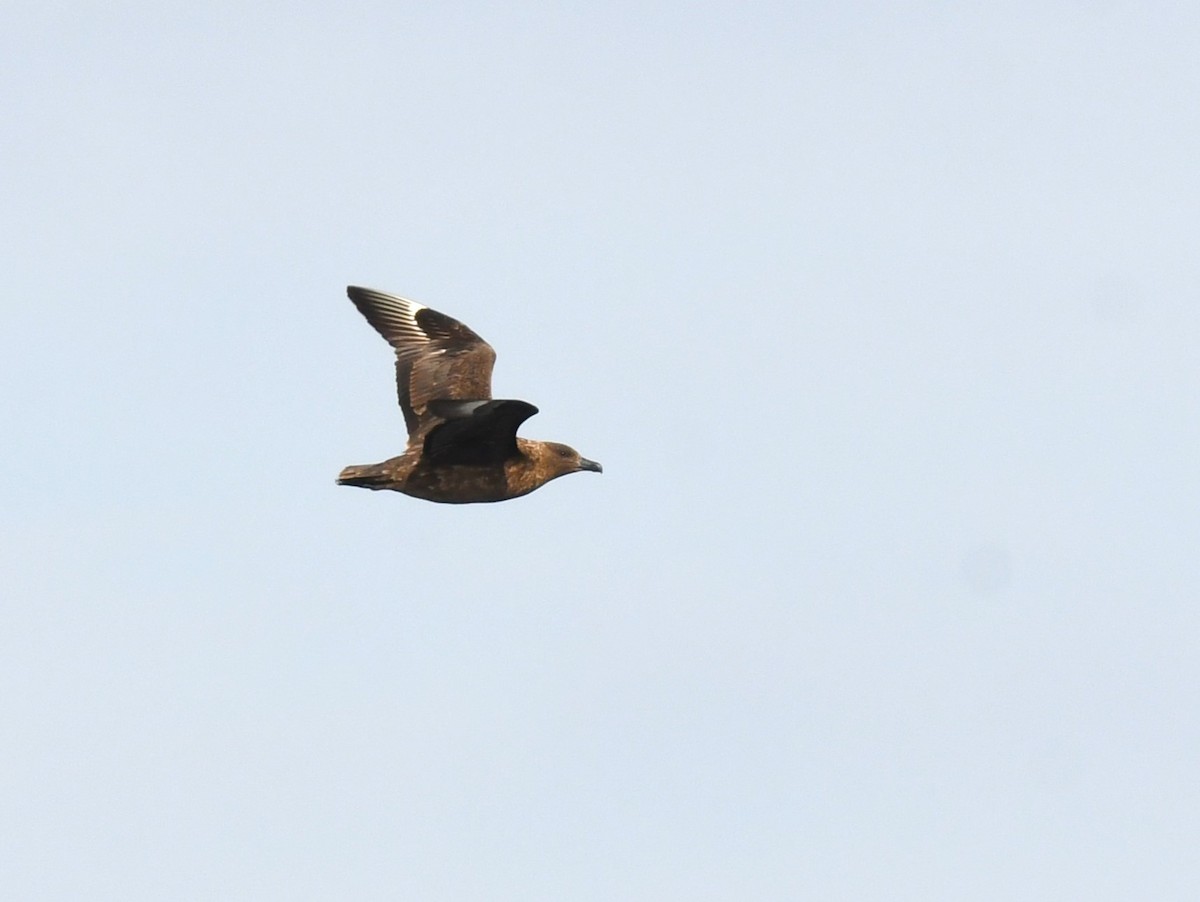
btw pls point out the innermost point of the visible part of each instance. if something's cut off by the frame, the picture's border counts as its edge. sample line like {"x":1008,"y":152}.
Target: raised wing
{"x":436,"y":355}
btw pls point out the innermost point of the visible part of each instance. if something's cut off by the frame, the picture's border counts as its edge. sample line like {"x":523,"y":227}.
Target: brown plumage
{"x":462,"y":444}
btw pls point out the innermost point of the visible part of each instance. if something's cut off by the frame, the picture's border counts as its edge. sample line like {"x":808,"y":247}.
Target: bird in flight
{"x":462,"y":443}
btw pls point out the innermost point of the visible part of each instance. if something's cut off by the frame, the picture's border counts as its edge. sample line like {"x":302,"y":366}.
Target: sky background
{"x":882,"y":318}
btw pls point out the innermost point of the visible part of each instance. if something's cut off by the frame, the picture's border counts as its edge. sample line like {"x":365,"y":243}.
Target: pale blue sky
{"x":882,"y":319}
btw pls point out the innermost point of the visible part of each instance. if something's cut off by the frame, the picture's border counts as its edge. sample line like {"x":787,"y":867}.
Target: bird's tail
{"x":368,"y":476}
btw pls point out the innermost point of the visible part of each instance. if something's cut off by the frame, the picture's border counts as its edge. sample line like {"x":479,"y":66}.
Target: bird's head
{"x":557,"y":459}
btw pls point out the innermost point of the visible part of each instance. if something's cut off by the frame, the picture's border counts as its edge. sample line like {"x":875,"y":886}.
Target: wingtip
{"x":361,"y":295}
